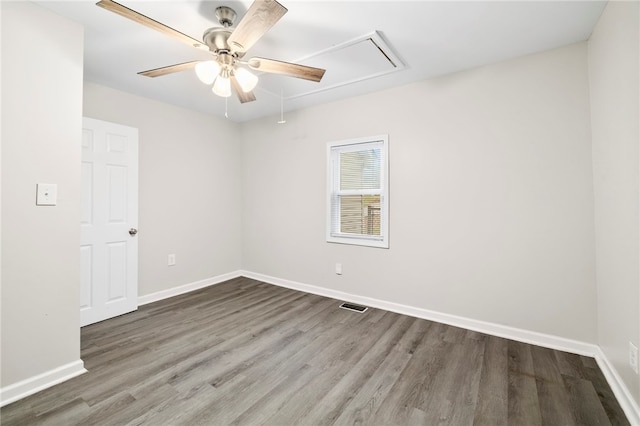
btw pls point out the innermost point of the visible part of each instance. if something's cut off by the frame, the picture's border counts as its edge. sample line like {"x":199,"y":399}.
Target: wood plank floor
{"x":245,"y":352}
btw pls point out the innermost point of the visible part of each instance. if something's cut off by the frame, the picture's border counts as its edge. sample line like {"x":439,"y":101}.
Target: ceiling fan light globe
{"x":247,"y":80}
{"x":222,"y":87}
{"x":207,"y":71}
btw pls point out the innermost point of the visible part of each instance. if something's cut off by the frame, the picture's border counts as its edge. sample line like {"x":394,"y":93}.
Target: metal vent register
{"x":354,"y":308}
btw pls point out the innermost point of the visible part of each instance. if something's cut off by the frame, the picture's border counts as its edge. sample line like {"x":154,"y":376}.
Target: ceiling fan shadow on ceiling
{"x":228,"y":45}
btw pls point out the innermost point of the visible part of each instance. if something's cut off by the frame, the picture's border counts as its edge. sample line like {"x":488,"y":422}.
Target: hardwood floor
{"x":245,"y":352}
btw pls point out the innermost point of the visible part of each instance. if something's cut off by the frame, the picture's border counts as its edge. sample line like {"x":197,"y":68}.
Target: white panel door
{"x":109,"y":242}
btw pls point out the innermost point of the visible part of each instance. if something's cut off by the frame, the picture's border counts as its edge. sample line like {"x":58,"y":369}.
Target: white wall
{"x":492,"y":203}
{"x":490,"y":188}
{"x":613,"y":75}
{"x":41,"y":122}
{"x":190,"y":184}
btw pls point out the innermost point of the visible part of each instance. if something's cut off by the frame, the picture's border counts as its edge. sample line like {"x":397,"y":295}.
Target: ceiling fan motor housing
{"x":216,"y":38}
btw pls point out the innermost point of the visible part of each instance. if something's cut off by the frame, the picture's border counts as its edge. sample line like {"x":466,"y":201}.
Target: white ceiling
{"x":430,"y":38}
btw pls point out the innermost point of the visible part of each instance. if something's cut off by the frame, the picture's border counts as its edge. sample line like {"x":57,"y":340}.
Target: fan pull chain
{"x":226,"y":108}
{"x":282,"y":120}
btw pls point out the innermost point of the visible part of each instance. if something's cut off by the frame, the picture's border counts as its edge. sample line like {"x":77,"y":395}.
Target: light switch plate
{"x":46,"y":194}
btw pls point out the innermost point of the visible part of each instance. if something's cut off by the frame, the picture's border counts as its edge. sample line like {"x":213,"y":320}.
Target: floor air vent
{"x":354,"y":308}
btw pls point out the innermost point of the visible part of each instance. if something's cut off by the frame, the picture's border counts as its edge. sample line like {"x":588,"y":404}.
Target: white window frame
{"x":333,"y":185}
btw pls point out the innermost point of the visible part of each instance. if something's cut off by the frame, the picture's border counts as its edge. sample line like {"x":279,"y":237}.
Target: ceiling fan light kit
{"x":222,"y":85}
{"x":247,"y":80}
{"x":228,"y":45}
{"x":207,"y":71}
{"x":211,"y":72}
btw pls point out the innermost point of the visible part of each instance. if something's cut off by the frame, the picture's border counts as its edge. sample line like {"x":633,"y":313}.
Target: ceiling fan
{"x":228,"y":45}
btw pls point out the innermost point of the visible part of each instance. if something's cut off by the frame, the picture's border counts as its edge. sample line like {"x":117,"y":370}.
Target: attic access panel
{"x":359,"y":59}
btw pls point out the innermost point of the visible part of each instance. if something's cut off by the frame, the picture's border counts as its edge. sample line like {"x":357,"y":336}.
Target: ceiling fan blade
{"x":157,"y":72}
{"x":131,"y":14}
{"x":261,"y":16}
{"x":287,"y":68}
{"x":243,"y":96}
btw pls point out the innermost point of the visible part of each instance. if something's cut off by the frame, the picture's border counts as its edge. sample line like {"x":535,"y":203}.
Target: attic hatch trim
{"x":378,"y":42}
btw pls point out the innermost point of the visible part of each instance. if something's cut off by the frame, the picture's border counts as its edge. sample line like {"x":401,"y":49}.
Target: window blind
{"x":357,"y":186}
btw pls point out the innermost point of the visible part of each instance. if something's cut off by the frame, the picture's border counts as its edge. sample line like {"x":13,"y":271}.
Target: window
{"x":358,"y":198}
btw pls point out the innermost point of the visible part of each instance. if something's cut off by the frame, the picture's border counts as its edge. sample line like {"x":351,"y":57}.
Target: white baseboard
{"x":164,"y":294}
{"x":45,"y":380}
{"x":58,"y":375}
{"x":620,"y":390}
{"x":40,"y":382}
{"x":526,"y":336}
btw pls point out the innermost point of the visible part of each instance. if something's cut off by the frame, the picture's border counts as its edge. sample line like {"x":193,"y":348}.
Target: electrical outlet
{"x":633,"y":357}
{"x":171,"y":260}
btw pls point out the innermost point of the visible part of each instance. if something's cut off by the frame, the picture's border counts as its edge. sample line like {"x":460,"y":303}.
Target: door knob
{"x":133,"y":231}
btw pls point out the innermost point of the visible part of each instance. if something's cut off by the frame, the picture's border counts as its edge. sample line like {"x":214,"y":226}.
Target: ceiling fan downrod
{"x":225,"y":16}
